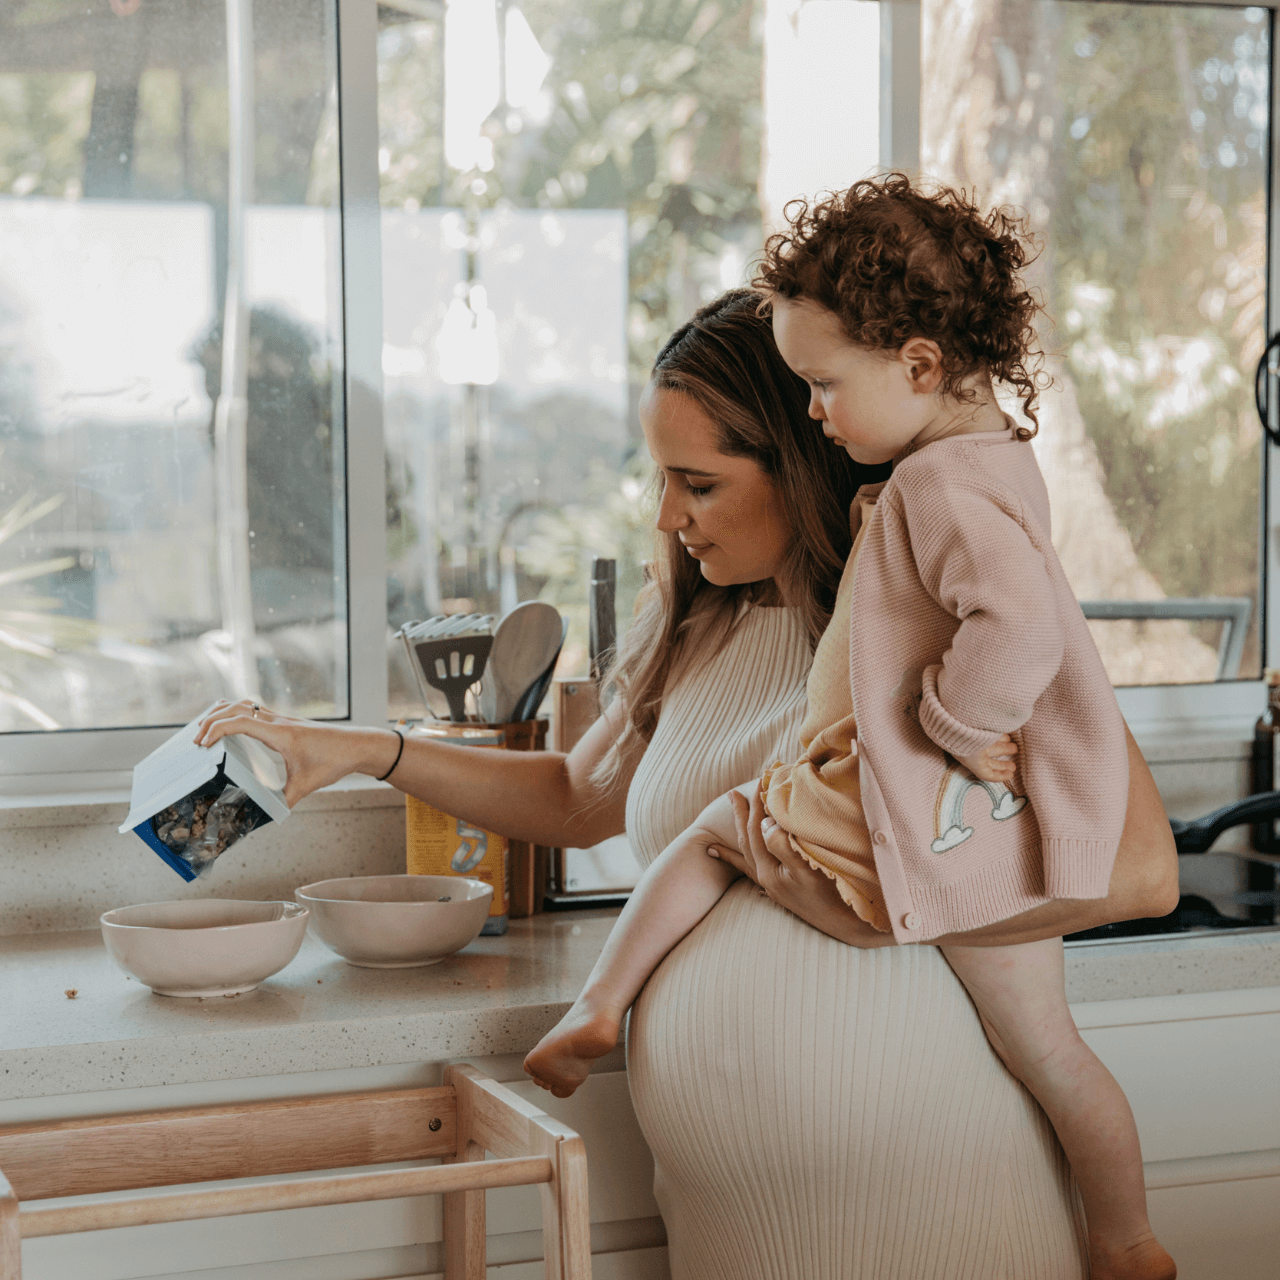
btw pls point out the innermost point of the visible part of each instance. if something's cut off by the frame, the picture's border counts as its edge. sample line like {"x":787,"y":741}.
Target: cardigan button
{"x":911,"y":921}
{"x":880,"y":837}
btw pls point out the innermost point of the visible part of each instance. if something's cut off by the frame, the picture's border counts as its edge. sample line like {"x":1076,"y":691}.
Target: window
{"x":450,"y":307}
{"x":562,"y":185}
{"x":1137,"y":137}
{"x":170,"y":309}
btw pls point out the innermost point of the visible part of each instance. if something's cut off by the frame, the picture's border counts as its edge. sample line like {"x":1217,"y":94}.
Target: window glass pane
{"x":563,"y":183}
{"x":119,"y":243}
{"x":1136,"y":137}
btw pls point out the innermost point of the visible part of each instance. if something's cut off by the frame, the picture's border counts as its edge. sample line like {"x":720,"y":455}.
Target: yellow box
{"x":437,"y":844}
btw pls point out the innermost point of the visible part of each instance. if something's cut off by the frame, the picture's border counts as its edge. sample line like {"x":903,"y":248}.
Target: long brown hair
{"x":725,"y":359}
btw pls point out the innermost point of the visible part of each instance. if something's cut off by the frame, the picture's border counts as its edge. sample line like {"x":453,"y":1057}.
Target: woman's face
{"x":724,"y":510}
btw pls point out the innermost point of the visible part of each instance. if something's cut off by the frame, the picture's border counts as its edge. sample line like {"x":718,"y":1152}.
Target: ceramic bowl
{"x":205,"y":947}
{"x":396,"y":922}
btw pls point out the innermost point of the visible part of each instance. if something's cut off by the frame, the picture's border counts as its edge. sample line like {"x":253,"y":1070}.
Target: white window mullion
{"x":362,"y":319}
{"x":900,"y":85}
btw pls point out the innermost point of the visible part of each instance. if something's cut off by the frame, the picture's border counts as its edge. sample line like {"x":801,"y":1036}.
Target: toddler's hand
{"x":994,"y":763}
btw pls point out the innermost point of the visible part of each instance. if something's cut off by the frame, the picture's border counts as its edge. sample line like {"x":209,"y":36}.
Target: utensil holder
{"x":529,"y":864}
{"x":517,"y":870}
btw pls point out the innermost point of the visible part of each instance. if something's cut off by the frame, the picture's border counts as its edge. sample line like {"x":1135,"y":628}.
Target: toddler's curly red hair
{"x":894,"y":262}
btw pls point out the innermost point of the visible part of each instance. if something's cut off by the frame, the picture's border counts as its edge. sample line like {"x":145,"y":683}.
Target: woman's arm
{"x":1144,"y":881}
{"x":544,"y":797}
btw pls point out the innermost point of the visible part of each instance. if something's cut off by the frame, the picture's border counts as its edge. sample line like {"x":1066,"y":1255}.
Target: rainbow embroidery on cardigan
{"x":948,"y":810}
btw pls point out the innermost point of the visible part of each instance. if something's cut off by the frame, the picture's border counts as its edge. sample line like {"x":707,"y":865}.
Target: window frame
{"x":1227,"y":709}
{"x":1173,"y":712}
{"x":96,"y":761}
{"x":99,"y":761}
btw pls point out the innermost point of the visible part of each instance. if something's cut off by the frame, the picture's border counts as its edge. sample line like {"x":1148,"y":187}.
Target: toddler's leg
{"x":1021,"y":997}
{"x":677,"y":890}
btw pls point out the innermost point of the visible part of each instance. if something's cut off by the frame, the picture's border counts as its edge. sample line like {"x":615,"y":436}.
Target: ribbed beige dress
{"x":818,"y":1112}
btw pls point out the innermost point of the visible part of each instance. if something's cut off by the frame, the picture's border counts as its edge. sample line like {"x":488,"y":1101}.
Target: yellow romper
{"x":818,"y":800}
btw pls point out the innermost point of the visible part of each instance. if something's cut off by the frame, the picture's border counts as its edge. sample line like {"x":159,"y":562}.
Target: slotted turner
{"x":453,"y":665}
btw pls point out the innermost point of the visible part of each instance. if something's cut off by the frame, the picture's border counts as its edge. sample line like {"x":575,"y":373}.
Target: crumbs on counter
{"x":71,"y":992}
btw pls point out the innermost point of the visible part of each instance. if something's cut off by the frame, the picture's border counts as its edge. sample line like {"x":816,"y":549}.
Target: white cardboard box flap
{"x":178,"y":767}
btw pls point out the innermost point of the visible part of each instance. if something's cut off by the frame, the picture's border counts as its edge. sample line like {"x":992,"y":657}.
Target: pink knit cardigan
{"x":963,"y":627}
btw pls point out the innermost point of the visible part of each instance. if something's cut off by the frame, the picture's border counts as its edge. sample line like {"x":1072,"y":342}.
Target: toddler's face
{"x":873,"y":403}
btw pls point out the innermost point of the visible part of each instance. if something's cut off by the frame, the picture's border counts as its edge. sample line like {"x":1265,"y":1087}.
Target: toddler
{"x":964,"y":758}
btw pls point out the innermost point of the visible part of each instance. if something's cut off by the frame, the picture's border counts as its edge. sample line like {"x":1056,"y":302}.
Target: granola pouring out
{"x":190,"y":804}
{"x":200,"y":828}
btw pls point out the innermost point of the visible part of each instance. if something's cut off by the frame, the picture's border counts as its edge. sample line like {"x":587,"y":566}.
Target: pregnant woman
{"x":820,"y":1106}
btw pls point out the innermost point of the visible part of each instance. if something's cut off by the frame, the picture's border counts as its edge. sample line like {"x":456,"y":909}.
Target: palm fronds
{"x":33,"y":625}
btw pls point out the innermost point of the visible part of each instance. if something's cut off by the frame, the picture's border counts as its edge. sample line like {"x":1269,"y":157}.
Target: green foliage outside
{"x":1159,"y":228}
{"x":654,"y":108}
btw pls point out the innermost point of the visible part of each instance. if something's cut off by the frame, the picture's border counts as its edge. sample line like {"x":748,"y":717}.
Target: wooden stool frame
{"x":469,"y":1115}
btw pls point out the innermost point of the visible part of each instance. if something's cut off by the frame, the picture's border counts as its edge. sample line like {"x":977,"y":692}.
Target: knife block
{"x":576,"y":706}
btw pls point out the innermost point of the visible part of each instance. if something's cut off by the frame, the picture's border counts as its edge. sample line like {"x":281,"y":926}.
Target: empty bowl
{"x":206,"y":947}
{"x":396,"y":922}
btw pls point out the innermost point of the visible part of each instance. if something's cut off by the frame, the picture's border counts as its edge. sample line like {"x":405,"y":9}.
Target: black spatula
{"x":453,"y":665}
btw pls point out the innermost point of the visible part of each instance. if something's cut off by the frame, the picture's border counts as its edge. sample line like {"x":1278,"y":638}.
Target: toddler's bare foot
{"x":560,"y":1061}
{"x":1144,"y":1260}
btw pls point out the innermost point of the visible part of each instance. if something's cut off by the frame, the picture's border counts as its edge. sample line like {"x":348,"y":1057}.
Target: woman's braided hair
{"x":894,"y":262}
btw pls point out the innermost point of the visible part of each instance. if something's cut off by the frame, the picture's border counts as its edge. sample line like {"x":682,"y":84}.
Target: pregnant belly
{"x":816,"y":1111}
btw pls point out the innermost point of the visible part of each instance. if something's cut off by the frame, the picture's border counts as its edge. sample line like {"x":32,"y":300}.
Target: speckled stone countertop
{"x":1172,"y":966}
{"x":497,"y":997}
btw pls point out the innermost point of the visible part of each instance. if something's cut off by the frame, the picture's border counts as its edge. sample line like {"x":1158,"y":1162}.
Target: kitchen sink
{"x":1194,"y":913}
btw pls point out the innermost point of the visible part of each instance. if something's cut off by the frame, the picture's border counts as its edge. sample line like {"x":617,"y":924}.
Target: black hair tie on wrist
{"x":396,"y":761}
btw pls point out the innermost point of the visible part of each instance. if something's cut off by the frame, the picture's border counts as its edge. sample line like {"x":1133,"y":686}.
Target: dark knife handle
{"x":602,"y":615}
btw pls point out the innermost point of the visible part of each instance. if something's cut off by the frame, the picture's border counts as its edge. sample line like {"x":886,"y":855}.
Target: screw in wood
{"x":434,"y":1124}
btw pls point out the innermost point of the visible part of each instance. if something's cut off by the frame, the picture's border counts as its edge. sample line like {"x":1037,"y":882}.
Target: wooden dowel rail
{"x":185,"y":1151}
{"x":132,"y":1152}
{"x":182,"y":1206}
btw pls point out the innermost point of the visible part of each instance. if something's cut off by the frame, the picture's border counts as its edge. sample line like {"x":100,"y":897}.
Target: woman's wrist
{"x":375,"y":751}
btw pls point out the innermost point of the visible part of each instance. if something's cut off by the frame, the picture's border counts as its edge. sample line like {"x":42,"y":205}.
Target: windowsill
{"x":1192,"y":722}
{"x":1188,"y":743}
{"x":66,"y":863}
{"x":94,"y":805}
{"x":87,"y":799}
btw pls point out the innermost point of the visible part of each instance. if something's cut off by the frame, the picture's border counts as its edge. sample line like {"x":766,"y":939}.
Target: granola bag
{"x":190,"y":804}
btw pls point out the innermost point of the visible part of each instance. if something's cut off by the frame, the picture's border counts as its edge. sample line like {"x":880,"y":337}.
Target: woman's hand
{"x":764,"y":854}
{"x":314,"y":754}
